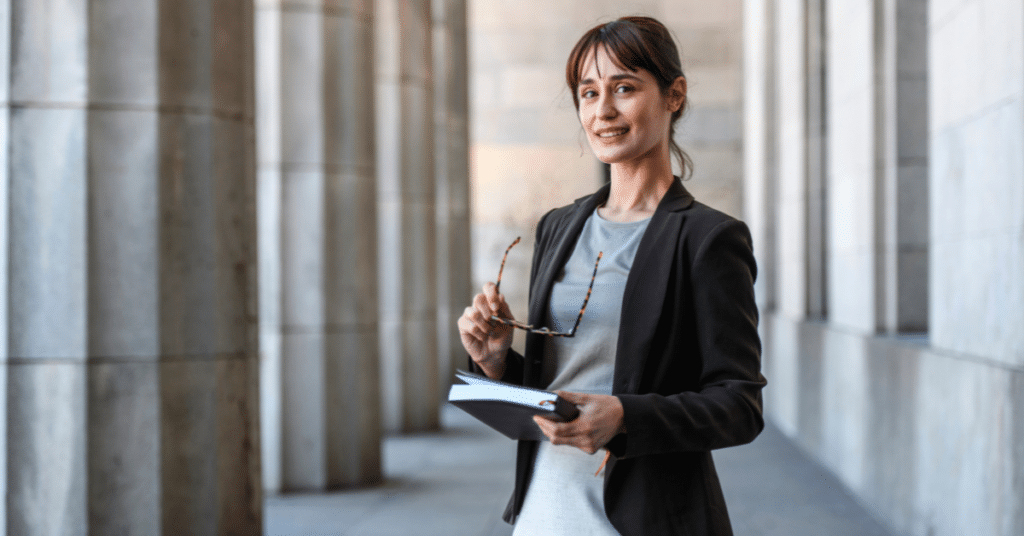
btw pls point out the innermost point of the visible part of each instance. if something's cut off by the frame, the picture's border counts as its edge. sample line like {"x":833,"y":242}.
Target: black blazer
{"x":687,"y":365}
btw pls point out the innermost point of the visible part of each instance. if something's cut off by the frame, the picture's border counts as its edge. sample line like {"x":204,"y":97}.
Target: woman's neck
{"x":636,"y":191}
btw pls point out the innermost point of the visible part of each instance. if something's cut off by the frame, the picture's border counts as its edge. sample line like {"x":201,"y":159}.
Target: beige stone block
{"x":690,"y":14}
{"x":414,"y":147}
{"x":185,"y":44}
{"x":709,"y":47}
{"x":124,"y":257}
{"x":231,"y":58}
{"x":206,"y":453}
{"x":304,"y":414}
{"x":387,"y":40}
{"x":302,"y":250}
{"x":518,"y":184}
{"x":485,"y":90}
{"x":418,"y":258}
{"x":717,"y":177}
{"x":963,"y":421}
{"x":349,"y":117}
{"x":353,"y":428}
{"x":271,"y":408}
{"x":5,"y":264}
{"x":715,"y":86}
{"x":912,"y":206}
{"x":415,"y":55}
{"x":269,"y":245}
{"x":239,"y":498}
{"x":268,"y":76}
{"x":47,"y":240}
{"x":188,"y":437}
{"x":975,"y":292}
{"x":420,"y":383}
{"x":46,"y":449}
{"x":912,"y":119}
{"x":1001,"y":49}
{"x":189,"y":321}
{"x":350,"y":252}
{"x":516,"y":47}
{"x":710,"y":125}
{"x":5,"y":65}
{"x":530,"y":86}
{"x":49,"y":51}
{"x":846,"y":424}
{"x":302,"y":97}
{"x":851,"y":291}
{"x":124,"y":469}
{"x":781,"y":365}
{"x":849,"y":52}
{"x":122,"y":41}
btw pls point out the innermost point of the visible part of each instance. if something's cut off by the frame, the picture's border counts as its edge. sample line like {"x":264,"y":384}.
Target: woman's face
{"x":624,"y":113}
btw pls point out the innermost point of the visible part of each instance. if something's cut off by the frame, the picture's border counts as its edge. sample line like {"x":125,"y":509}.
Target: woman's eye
{"x":623,"y":89}
{"x":588,"y":93}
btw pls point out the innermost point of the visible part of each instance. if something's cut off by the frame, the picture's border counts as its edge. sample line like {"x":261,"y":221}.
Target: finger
{"x":470,"y":322}
{"x":482,"y":308}
{"x":579,"y":399}
{"x":481,"y":304}
{"x":544,"y":425}
{"x":494,"y":299}
{"x":482,"y":323}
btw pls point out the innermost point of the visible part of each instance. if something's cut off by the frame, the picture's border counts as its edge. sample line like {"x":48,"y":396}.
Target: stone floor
{"x":457,"y":482}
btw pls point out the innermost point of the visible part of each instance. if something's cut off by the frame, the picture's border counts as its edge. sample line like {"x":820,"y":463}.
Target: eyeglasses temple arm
{"x":497,"y":284}
{"x":587,"y":298}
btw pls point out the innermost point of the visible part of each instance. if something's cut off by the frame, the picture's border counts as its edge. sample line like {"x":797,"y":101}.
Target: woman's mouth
{"x":612,"y":133}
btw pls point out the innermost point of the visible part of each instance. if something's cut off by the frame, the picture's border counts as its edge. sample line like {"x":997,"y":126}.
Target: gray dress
{"x":564,"y":497}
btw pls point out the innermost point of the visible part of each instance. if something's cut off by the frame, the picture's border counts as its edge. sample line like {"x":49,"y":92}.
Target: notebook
{"x":508,"y":408}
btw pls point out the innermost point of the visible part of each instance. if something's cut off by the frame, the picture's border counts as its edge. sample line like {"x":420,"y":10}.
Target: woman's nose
{"x":606,"y":107}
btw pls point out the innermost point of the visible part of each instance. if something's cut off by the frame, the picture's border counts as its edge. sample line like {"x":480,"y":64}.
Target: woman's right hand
{"x":486,"y":341}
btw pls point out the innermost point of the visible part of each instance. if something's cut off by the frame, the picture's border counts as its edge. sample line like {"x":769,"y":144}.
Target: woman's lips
{"x":611,"y":133}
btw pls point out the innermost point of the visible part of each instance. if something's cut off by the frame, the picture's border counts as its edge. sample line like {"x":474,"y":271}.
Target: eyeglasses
{"x":544,"y":331}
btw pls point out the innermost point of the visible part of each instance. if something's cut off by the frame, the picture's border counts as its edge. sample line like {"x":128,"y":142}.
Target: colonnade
{"x":218,"y":219}
{"x":363,"y":184}
{"x":128,"y":384}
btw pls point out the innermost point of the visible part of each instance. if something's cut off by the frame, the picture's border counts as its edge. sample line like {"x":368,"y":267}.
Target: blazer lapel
{"x":646,"y":288}
{"x":550,"y":267}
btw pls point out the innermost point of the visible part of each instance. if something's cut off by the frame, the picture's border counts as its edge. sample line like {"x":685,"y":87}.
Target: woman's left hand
{"x":600,"y":419}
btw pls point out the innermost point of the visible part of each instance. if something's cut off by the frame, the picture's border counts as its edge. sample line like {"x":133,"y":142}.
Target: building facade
{"x":884,"y":185}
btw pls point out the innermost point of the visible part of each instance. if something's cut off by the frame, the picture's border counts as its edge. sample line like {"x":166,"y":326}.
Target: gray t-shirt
{"x":564,"y":497}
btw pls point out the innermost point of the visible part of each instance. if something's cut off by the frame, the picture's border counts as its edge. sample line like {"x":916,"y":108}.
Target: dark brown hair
{"x":634,"y":43}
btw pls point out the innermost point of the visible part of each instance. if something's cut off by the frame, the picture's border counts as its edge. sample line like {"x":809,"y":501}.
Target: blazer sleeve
{"x":726,"y":409}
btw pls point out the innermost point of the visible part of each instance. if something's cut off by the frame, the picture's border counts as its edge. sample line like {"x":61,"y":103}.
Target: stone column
{"x":406,"y":214}
{"x":129,"y":283}
{"x":759,"y":157}
{"x":791,"y":132}
{"x":318,"y":237}
{"x":451,"y":138}
{"x":851,"y":169}
{"x":901,"y":123}
{"x":817,"y":159}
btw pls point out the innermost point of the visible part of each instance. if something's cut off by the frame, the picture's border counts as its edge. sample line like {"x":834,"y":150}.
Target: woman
{"x":665,"y":364}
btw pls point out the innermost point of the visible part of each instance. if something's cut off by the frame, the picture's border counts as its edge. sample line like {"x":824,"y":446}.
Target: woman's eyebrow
{"x":614,"y":78}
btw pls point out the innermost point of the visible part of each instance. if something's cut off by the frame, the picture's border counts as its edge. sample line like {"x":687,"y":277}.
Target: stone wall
{"x":905,"y":378}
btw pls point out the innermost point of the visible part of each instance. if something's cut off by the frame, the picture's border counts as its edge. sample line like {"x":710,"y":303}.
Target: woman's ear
{"x":677,"y":94}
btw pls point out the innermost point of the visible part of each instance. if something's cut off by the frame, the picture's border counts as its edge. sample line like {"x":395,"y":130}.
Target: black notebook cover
{"x":509,"y":408}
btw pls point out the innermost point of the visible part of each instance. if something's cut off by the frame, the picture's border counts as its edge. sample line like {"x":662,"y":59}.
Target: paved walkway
{"x":456,"y":483}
